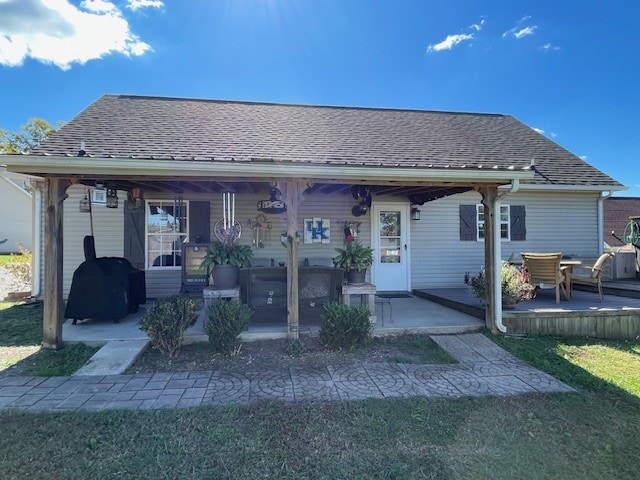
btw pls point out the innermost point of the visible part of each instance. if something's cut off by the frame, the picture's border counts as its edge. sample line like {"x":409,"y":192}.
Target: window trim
{"x":185,"y":232}
{"x":507,"y":222}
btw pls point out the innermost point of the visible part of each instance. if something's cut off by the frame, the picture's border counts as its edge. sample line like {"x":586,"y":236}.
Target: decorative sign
{"x":317,"y":230}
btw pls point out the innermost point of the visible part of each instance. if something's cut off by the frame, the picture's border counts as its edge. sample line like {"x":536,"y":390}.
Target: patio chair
{"x":544,"y":271}
{"x":591,"y":275}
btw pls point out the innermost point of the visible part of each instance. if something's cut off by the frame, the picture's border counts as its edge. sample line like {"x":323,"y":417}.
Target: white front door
{"x":390,"y":235}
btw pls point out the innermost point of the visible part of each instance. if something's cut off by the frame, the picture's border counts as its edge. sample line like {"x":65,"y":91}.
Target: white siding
{"x":563,"y":222}
{"x":108,"y":230}
{"x":335,"y":207}
{"x":15,"y":216}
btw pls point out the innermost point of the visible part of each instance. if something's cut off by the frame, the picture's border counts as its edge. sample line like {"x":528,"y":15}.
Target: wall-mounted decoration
{"x":351,"y":229}
{"x":228,"y":229}
{"x":261,"y":229}
{"x":362,"y":193}
{"x":317,"y":230}
{"x":274,"y":205}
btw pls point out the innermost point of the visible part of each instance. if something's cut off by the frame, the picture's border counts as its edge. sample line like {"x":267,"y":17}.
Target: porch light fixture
{"x":415,"y":213}
{"x":112,"y":198}
{"x":99,"y":194}
{"x":85,"y":203}
{"x":274,"y":205}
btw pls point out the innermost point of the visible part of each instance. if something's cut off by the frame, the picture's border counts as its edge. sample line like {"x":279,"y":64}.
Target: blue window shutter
{"x":517,"y":215}
{"x":468,"y":223}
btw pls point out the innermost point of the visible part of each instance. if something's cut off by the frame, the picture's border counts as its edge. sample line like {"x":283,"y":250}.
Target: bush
{"x":515,"y":287}
{"x":167,"y":320}
{"x":226,"y":320}
{"x":296,"y":348}
{"x":344,"y":326}
{"x":20,"y":266}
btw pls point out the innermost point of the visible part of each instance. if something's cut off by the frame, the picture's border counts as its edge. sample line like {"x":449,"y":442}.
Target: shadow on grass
{"x":544,"y":353}
{"x":20,"y":324}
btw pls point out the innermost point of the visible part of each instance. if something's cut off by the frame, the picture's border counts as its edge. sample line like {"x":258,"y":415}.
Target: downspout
{"x":497,"y":254}
{"x":601,"y":199}
{"x":36,"y":239}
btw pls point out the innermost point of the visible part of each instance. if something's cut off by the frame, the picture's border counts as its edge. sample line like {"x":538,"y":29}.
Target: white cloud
{"x":449,"y":42}
{"x":542,"y":132}
{"x":138,"y":4}
{"x":60,"y":33}
{"x":478,"y":26}
{"x":525,"y":32}
{"x":548,"y":47}
{"x":521,"y":30}
{"x":583,"y":157}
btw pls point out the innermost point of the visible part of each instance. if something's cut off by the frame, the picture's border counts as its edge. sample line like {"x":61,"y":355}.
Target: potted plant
{"x":224,"y":260}
{"x":354,"y":258}
{"x":515,"y":287}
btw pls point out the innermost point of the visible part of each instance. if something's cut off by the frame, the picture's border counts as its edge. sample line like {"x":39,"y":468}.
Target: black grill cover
{"x":104,"y":288}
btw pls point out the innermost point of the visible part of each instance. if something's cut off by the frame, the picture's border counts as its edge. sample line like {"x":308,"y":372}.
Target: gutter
{"x":601,"y":199}
{"x":497,"y":255}
{"x":127,"y":167}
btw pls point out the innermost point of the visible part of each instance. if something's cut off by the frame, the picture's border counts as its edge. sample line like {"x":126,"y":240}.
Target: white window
{"x":505,"y":231}
{"x":167,"y":228}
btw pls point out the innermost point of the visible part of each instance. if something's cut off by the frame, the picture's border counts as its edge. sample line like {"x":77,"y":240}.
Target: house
{"x":617,"y":213}
{"x":16,"y":217}
{"x":366,"y":171}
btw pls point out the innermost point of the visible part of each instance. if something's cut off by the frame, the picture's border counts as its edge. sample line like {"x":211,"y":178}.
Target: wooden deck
{"x":584,"y":314}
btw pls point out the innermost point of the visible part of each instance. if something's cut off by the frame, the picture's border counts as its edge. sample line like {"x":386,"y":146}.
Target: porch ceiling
{"x":417,"y":194}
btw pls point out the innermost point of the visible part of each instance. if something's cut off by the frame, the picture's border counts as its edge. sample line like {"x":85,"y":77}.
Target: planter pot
{"x":224,"y":276}
{"x":356,"y":276}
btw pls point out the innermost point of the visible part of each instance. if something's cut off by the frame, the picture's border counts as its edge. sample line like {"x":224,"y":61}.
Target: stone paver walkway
{"x":484,"y":369}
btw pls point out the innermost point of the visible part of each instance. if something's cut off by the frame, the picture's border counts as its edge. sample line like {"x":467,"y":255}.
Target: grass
{"x":599,"y":365}
{"x":13,"y":258}
{"x":20,"y":339}
{"x":591,"y":434}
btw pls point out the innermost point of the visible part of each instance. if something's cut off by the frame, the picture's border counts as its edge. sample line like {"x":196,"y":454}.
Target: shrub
{"x":344,"y":326}
{"x":20,"y":266}
{"x":515,"y":287}
{"x":295,"y":348}
{"x":167,"y":320}
{"x":226,"y":320}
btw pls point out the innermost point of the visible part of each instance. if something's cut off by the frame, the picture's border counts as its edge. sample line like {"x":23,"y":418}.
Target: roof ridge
{"x":301,"y":105}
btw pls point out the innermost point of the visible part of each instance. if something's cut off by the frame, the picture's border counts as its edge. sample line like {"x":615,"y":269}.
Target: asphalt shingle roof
{"x":123,"y":126}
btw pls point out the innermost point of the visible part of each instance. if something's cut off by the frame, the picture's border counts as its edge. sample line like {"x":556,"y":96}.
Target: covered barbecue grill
{"x":105,"y":288}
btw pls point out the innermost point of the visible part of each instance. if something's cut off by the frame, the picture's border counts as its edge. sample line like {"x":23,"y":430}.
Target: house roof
{"x":213,"y":131}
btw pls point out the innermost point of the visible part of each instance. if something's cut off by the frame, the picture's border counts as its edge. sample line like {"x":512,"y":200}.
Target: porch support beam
{"x":53,"y":315}
{"x":292,"y":196}
{"x":491,"y":236}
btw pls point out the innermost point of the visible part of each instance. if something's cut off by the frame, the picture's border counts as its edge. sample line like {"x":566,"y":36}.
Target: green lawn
{"x":592,"y":434}
{"x":20,"y":340}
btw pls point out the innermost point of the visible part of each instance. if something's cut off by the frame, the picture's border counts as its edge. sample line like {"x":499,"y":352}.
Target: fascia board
{"x":171,"y":168}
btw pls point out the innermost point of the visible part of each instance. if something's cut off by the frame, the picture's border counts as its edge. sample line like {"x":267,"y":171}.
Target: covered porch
{"x":402,"y":313}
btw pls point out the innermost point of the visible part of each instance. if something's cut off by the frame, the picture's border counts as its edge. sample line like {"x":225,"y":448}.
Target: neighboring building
{"x":16,"y":218}
{"x":178,"y":155}
{"x":617,"y":212}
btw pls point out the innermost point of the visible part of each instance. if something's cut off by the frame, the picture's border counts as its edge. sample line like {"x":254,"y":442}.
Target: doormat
{"x":394,"y":295}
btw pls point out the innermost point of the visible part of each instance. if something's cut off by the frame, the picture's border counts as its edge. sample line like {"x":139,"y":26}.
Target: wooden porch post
{"x":489,"y":195}
{"x":292,"y":194}
{"x":55,"y":194}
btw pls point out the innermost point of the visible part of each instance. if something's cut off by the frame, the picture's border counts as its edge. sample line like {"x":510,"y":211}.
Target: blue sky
{"x":567,"y":68}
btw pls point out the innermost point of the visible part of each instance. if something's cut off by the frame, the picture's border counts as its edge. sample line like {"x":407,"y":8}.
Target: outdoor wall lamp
{"x":415,"y":213}
{"x":85,"y":203}
{"x":112,"y":197}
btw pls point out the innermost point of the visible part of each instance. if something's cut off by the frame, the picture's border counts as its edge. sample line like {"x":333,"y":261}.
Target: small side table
{"x":211,"y":293}
{"x":367,"y":292}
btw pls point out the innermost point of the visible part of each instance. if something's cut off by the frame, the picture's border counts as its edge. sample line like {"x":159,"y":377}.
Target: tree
{"x":31,"y":134}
